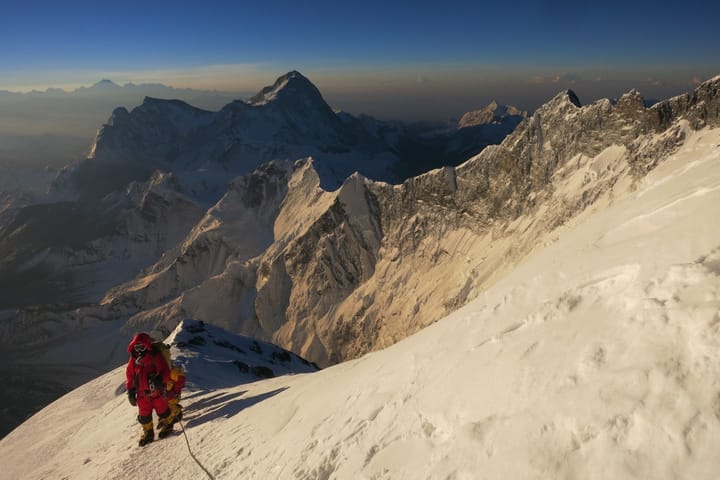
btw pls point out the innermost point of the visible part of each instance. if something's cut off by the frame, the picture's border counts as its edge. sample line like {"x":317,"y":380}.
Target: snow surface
{"x":598,"y":357}
{"x":271,"y":94}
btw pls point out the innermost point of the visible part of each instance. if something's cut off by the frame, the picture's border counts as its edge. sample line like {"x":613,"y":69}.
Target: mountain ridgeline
{"x":280,"y":219}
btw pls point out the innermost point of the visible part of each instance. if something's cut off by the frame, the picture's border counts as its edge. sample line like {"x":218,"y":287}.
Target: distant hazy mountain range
{"x":40,"y":132}
{"x":80,"y":111}
{"x":43,"y":131}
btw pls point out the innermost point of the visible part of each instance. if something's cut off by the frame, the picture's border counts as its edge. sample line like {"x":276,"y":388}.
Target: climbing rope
{"x":187,"y":442}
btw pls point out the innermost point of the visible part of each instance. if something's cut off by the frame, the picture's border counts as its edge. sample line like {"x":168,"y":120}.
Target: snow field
{"x":598,"y":357}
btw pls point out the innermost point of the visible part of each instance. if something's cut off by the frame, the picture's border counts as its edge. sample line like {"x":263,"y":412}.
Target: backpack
{"x":164,"y":349}
{"x":177,"y":375}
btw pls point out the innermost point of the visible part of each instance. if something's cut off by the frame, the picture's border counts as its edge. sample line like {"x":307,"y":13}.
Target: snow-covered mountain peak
{"x":213,"y":357}
{"x":154,"y":117}
{"x":631,"y":103}
{"x":353,"y":196}
{"x":182,"y":115}
{"x":291,"y":88}
{"x":562,"y":99}
{"x":633,"y":96}
{"x":493,"y":113}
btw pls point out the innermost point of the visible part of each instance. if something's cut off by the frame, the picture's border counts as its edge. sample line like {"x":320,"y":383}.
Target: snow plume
{"x":597,"y":357}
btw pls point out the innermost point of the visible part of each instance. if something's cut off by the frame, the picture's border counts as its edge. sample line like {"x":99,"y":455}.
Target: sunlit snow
{"x":598,"y":357}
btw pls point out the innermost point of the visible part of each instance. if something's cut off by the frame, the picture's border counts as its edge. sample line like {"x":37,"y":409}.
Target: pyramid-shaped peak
{"x":105,"y":83}
{"x":572,"y":97}
{"x":291,"y":85}
{"x":631,"y":100}
{"x":293,"y":75}
{"x":563,"y":98}
{"x":634,"y":94}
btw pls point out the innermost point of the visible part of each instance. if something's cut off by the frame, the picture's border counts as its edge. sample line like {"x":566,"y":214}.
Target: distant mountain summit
{"x":491,"y":114}
{"x":289,"y":89}
{"x":106,"y":84}
{"x":287,"y":120}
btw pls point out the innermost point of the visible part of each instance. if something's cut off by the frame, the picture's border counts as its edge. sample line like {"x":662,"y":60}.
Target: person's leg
{"x":164,"y":415}
{"x":175,"y":410}
{"x":145,"y":419}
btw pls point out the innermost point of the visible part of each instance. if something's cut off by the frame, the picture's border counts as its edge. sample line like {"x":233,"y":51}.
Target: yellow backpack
{"x":175,"y":371}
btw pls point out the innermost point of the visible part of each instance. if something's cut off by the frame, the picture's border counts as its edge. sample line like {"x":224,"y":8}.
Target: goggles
{"x":139,"y":347}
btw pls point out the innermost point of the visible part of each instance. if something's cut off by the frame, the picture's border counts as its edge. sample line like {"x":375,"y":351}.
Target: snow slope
{"x":598,"y":357}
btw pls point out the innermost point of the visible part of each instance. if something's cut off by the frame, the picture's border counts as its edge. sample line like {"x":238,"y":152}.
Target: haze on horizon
{"x":401,"y":60}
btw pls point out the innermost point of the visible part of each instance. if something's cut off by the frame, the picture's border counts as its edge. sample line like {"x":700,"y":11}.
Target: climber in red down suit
{"x":147,"y":376}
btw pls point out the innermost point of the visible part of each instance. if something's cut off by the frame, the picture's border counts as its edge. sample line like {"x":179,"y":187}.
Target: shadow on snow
{"x":223,"y":405}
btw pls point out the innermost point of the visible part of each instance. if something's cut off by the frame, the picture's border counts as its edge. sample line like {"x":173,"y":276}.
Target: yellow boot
{"x":165,"y":424}
{"x":148,"y":434}
{"x":175,"y":410}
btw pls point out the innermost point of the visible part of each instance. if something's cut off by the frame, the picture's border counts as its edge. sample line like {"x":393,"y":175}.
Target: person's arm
{"x":130,"y":374}
{"x":130,"y":382}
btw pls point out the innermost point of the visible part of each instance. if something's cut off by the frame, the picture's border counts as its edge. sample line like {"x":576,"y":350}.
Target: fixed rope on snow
{"x":187,"y":442}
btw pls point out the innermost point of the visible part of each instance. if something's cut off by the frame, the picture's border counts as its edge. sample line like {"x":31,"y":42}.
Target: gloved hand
{"x":132,"y":396}
{"x":156,"y":383}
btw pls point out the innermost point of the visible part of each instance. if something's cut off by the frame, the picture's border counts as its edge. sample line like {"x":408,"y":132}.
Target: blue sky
{"x":387,"y":58}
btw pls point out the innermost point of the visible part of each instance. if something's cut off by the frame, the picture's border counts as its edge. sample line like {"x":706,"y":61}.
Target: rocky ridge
{"x":333,"y":274}
{"x":362,"y":269}
{"x":155,"y":170}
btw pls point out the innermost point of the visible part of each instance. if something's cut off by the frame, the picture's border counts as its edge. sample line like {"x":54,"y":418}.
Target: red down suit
{"x":147,"y":373}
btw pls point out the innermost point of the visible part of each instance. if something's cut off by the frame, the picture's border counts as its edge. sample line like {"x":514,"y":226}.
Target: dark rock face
{"x":700,"y":107}
{"x":507,"y":175}
{"x":631,"y":106}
